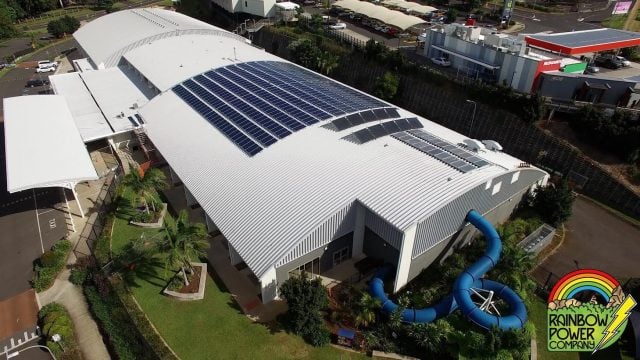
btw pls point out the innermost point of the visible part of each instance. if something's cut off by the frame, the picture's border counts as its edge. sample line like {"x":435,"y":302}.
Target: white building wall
{"x":404,"y":263}
{"x":269,"y":285}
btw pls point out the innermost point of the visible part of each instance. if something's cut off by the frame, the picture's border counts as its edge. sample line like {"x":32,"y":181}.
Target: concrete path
{"x":71,"y":297}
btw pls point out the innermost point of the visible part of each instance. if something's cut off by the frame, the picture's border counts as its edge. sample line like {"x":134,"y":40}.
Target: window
{"x":515,"y":177}
{"x":340,"y":256}
{"x":496,"y":188}
{"x":312,"y":267}
{"x":487,"y":185}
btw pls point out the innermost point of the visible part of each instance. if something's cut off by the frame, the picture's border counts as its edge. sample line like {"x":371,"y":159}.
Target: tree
{"x":145,"y":186}
{"x":451,"y":15}
{"x":304,"y":52}
{"x":64,"y":25}
{"x":183,"y":242}
{"x":106,"y":5}
{"x":386,"y":87}
{"x":306,"y":299}
{"x":554,"y":202}
{"x":327,"y":62}
{"x":366,"y":310}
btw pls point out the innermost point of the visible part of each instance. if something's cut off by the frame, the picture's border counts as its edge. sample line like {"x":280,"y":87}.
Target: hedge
{"x":50,"y":264}
{"x":124,"y":341}
{"x":142,"y":323}
{"x":54,"y":319}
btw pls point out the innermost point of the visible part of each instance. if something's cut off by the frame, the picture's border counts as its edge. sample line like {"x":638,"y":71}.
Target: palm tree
{"x":145,"y":185}
{"x":183,"y":242}
{"x":367,"y":307}
{"x":327,"y":62}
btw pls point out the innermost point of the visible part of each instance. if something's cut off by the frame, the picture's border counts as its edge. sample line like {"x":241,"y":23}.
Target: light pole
{"x":473,"y":115}
{"x":14,"y":354}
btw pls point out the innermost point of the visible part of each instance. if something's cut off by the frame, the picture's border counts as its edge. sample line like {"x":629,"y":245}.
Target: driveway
{"x":595,"y":239}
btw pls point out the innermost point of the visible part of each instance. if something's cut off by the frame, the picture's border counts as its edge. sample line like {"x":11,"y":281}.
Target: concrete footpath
{"x":86,"y":329}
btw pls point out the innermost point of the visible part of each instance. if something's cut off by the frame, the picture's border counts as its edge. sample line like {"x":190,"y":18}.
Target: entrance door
{"x":311,"y":268}
{"x":340,"y":256}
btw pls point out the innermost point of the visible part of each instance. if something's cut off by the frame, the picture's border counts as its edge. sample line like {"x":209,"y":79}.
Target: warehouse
{"x":296,"y":170}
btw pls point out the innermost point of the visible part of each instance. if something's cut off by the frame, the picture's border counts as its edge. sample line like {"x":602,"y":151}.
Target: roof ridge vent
{"x":474,"y":144}
{"x":492,"y":145}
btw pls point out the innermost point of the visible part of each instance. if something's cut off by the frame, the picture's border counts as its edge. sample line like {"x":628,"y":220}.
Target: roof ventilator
{"x":474,"y":144}
{"x":492,"y":145}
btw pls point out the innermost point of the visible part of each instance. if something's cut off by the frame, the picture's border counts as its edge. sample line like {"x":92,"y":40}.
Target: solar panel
{"x":392,"y":113}
{"x":403,"y":124}
{"x":341,"y":124}
{"x":377,"y":131}
{"x":132,"y":121}
{"x":231,"y":114}
{"x":276,"y":114}
{"x":380,"y":114}
{"x":240,"y":105}
{"x":139,"y":118}
{"x":363,"y":135}
{"x":236,"y":136}
{"x":368,"y":116}
{"x":442,"y":150}
{"x":391,"y":127}
{"x":356,"y":119}
{"x":415,"y":123}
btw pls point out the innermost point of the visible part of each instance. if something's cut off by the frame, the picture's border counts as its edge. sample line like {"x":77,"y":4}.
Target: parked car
{"x":592,"y":69}
{"x":46,"y":63}
{"x":338,"y":26}
{"x":37,"y":82}
{"x":609,"y":63}
{"x":45,"y":69}
{"x":441,"y":61}
{"x":623,"y":61}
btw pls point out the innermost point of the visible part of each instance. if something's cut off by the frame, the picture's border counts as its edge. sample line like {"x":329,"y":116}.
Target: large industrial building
{"x":296,"y":170}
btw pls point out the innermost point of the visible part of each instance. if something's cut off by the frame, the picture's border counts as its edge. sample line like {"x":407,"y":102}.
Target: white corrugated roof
{"x":387,"y":16}
{"x":179,"y":58}
{"x":86,"y":113}
{"x":267,"y":203}
{"x":112,"y":102}
{"x":43,"y":145}
{"x":104,"y":38}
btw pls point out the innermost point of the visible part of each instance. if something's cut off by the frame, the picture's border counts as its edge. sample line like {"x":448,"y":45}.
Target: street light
{"x":14,"y":354}
{"x":473,"y":115}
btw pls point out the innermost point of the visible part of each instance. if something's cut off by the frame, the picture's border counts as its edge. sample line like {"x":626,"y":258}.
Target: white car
{"x":441,"y":61}
{"x":45,"y":69}
{"x":338,"y":26}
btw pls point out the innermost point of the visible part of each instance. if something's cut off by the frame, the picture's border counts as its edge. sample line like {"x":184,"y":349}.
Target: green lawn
{"x":538,"y":315}
{"x":213,"y":327}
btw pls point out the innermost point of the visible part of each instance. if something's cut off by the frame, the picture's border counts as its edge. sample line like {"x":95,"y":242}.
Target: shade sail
{"x":381,"y":13}
{"x":43,"y":146}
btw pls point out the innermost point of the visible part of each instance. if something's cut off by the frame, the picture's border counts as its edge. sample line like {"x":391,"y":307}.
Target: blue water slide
{"x":461,"y":295}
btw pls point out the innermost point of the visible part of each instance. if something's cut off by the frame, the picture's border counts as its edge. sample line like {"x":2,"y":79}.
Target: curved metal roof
{"x":381,"y":13}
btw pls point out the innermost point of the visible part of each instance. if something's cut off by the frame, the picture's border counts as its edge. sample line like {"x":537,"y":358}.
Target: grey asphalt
{"x":14,"y":82}
{"x":595,"y":239}
{"x":559,"y":22}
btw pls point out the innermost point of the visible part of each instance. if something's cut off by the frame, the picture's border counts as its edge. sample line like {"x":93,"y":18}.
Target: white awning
{"x":43,"y":146}
{"x":381,"y":13}
{"x":410,"y":6}
{"x":475,"y":61}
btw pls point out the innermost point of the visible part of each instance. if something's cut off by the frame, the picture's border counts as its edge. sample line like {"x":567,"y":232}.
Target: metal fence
{"x":97,"y":219}
{"x":346,"y":38}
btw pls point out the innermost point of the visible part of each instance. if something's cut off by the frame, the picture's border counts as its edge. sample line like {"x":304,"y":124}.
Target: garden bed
{"x":156,"y":222}
{"x":195,"y":289}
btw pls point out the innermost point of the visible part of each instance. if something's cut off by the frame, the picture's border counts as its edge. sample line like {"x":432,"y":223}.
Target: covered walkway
{"x":380,"y":13}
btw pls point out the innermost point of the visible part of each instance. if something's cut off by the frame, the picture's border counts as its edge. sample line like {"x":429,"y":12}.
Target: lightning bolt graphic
{"x":621,"y":314}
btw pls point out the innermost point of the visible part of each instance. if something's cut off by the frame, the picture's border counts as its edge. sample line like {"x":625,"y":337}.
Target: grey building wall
{"x":518,"y":72}
{"x":561,"y":86}
{"x":463,"y":236}
{"x":449,"y":219}
{"x":376,"y":247}
{"x":326,"y":257}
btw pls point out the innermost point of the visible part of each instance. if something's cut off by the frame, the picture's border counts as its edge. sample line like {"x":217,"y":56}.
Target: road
{"x":595,"y":239}
{"x":563,"y":22}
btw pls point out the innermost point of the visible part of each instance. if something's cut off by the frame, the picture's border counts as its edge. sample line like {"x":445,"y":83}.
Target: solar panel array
{"x":257,"y":103}
{"x":386,"y":128}
{"x":362,"y":117}
{"x":450,"y":154}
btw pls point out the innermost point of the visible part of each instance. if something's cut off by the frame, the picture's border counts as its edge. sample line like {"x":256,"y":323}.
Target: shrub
{"x":49,"y":265}
{"x":54,"y":319}
{"x":141,"y":217}
{"x":78,"y":276}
